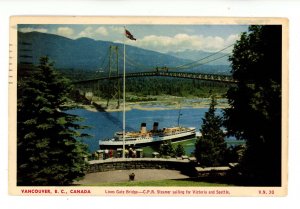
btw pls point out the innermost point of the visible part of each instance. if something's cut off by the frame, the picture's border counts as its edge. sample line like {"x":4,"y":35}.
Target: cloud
{"x":183,"y":41}
{"x":102,"y":31}
{"x":65,"y":31}
{"x":116,"y":29}
{"x":94,"y":33}
{"x":27,"y":30}
{"x":162,"y":43}
{"x":87,"y":32}
{"x":232,"y":38}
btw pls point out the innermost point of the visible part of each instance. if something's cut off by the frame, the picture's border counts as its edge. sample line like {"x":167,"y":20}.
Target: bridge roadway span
{"x":196,"y":76}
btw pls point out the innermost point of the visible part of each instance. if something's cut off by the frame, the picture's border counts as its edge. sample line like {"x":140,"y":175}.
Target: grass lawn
{"x":189,"y":146}
{"x":164,"y":183}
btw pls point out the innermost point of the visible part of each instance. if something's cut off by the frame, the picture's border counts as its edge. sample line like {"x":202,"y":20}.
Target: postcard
{"x":148,"y":106}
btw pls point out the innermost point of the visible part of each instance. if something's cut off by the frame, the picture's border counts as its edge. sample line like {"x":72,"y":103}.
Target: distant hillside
{"x":88,"y":54}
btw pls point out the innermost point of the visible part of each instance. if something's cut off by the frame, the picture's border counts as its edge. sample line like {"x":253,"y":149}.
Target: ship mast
{"x":179,"y":114}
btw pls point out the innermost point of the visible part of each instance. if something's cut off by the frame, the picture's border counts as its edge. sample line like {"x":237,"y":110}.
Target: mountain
{"x":88,"y":54}
{"x":197,"y":55}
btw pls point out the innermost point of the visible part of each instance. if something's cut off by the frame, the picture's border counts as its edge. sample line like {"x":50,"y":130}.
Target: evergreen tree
{"x":255,"y":102}
{"x":47,"y":151}
{"x":211,"y":147}
{"x":179,"y":150}
{"x":166,"y":149}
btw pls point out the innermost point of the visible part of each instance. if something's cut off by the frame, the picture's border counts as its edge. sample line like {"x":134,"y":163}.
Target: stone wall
{"x":185,"y":166}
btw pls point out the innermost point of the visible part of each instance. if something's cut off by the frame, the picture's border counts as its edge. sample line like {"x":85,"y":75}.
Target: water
{"x":103,"y":125}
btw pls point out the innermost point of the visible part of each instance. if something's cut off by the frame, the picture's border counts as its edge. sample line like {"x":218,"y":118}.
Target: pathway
{"x":123,"y":175}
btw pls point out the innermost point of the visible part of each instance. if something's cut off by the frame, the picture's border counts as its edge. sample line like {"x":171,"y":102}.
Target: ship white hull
{"x":144,"y":141}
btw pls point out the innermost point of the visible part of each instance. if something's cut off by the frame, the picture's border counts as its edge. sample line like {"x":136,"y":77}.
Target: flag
{"x":129,"y":35}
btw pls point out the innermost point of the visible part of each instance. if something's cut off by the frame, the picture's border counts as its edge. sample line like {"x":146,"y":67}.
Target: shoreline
{"x":153,"y":106}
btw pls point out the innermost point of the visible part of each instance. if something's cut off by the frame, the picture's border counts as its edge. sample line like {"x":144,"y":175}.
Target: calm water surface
{"x":104,"y":124}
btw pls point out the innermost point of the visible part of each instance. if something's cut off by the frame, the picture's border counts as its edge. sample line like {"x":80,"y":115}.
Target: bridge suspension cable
{"x":189,"y":65}
{"x":135,"y":63}
{"x":202,"y":63}
{"x":198,"y":62}
{"x":105,"y":58}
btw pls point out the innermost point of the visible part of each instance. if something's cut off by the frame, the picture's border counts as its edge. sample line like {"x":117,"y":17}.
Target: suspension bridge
{"x":113,"y":76}
{"x":196,"y":76}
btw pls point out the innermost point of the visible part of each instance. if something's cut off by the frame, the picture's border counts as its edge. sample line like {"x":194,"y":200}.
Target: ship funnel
{"x":155,"y":126}
{"x":143,"y":128}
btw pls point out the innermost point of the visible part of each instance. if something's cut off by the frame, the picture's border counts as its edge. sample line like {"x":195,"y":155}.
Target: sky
{"x":162,"y":38}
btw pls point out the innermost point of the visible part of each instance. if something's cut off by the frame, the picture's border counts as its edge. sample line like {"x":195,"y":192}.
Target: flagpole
{"x":127,"y":34}
{"x":124,"y":70}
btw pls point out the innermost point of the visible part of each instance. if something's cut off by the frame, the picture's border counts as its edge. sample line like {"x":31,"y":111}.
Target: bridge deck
{"x":196,"y":76}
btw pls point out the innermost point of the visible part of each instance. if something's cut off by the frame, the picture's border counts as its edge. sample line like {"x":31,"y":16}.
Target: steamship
{"x":145,"y":137}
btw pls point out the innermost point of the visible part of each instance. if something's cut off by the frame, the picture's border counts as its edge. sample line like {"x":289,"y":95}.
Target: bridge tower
{"x":114,"y":91}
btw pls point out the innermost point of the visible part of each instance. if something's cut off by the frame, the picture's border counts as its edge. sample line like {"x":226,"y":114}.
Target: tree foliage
{"x":179,"y":150}
{"x":211,"y":146}
{"x":166,"y":149}
{"x":47,"y":151}
{"x":255,"y":102}
{"x":155,"y":86}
